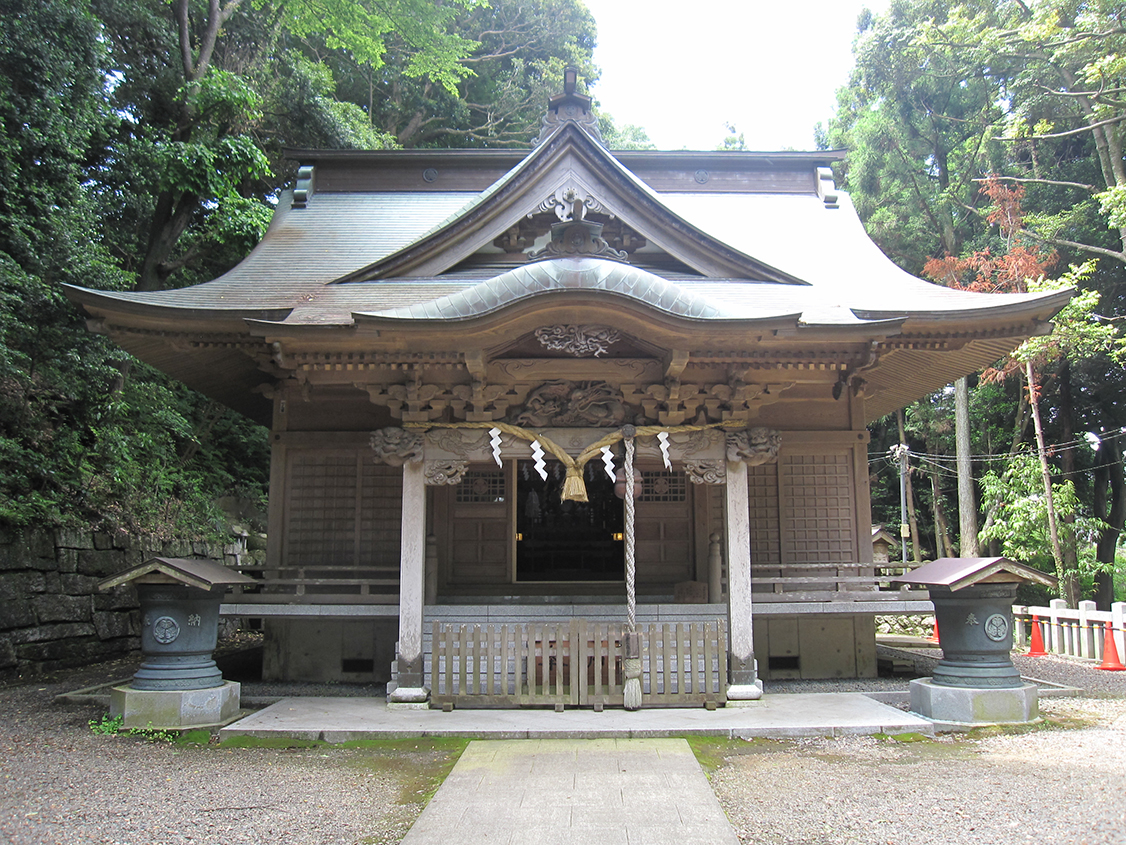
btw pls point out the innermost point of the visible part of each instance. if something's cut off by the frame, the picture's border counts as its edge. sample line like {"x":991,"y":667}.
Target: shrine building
{"x":462,"y":354}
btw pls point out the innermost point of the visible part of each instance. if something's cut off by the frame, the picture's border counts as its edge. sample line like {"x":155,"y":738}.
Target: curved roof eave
{"x":884,"y":327}
{"x":564,"y":274}
{"x":109,"y":301}
{"x":1040,"y":305}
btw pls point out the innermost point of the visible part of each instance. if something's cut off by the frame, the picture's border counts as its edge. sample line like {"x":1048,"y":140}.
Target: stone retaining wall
{"x":52,"y":614}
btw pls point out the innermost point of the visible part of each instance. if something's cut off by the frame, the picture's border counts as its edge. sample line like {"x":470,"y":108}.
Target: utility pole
{"x":900,"y":453}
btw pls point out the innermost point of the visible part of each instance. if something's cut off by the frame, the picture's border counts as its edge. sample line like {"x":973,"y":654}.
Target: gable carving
{"x":582,"y":237}
{"x":570,"y":203}
{"x":579,"y":341}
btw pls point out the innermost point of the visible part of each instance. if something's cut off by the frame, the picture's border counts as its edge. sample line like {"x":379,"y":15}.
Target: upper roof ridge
{"x":569,"y":107}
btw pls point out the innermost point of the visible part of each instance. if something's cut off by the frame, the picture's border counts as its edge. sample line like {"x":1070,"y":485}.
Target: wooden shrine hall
{"x":524,"y":405}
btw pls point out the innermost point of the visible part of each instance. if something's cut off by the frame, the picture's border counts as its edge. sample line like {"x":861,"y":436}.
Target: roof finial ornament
{"x":569,"y":107}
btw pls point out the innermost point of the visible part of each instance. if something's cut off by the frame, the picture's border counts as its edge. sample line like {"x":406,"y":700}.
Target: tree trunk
{"x":170,"y":219}
{"x":1110,"y":506}
{"x":916,"y":547}
{"x":1069,"y":586}
{"x":967,"y":504}
{"x":1068,"y":550}
{"x":942,"y":545}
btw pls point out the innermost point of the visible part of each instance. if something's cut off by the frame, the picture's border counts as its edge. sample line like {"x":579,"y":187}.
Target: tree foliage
{"x":985,"y":144}
{"x":142,"y":148}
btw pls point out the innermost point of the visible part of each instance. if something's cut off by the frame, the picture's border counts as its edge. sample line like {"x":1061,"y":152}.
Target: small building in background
{"x":884,"y":543}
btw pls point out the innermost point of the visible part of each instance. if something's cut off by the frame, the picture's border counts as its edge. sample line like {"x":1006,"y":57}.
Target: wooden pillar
{"x":745,"y":684}
{"x":412,"y":585}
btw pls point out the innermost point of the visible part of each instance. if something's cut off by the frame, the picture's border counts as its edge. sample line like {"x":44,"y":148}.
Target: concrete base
{"x":175,"y":709}
{"x":776,"y":716}
{"x":740,"y":695}
{"x":414,"y":696}
{"x":969,"y":706}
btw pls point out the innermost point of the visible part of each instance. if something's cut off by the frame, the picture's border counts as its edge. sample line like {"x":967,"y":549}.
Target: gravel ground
{"x":62,"y":783}
{"x":1065,"y":785}
{"x":1064,"y":782}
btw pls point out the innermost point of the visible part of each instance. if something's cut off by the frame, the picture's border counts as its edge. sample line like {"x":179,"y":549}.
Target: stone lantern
{"x":177,"y":684}
{"x":976,"y":681}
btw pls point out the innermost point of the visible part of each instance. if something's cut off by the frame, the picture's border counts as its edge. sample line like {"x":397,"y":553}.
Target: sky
{"x":682,"y":70}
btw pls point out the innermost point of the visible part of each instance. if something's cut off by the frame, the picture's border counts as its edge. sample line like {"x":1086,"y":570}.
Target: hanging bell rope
{"x":631,"y":657}
{"x":574,"y":488}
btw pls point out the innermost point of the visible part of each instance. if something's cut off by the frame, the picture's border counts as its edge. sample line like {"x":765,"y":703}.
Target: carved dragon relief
{"x":754,"y":446}
{"x":395,"y":446}
{"x":562,"y":404}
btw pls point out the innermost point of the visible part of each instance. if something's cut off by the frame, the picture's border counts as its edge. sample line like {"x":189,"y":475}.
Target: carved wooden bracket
{"x":417,"y":402}
{"x":706,"y":471}
{"x":395,"y":446}
{"x":675,"y":403}
{"x":441,"y":473}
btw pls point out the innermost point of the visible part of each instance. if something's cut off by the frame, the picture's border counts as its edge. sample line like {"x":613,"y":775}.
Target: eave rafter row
{"x":773,"y":359}
{"x":195,"y":340}
{"x":322,"y":362}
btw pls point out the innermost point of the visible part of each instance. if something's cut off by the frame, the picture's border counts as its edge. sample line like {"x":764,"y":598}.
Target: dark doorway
{"x":567,"y":541}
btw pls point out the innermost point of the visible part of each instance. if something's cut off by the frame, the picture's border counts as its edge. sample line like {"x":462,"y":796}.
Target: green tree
{"x":950,"y":96}
{"x":87,"y":437}
{"x":1022,"y":526}
{"x":188,"y":169}
{"x":521,"y":49}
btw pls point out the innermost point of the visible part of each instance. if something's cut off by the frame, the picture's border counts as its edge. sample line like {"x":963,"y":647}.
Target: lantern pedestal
{"x":175,"y":709}
{"x":957,"y":707}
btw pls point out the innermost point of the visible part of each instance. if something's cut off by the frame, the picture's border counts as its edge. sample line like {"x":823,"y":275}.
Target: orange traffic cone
{"x":1036,"y":646}
{"x":934,"y":636}
{"x":1110,"y":663}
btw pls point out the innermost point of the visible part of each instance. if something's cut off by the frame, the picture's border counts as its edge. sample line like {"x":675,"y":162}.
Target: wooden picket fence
{"x":1072,"y":632}
{"x":575,"y":663}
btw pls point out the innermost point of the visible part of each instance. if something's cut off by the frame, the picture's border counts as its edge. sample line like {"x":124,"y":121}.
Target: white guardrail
{"x":1073,"y":632}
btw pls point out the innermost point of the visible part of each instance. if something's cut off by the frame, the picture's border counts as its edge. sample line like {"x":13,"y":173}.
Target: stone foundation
{"x":323,"y":649}
{"x":972,"y":706}
{"x":175,"y":709}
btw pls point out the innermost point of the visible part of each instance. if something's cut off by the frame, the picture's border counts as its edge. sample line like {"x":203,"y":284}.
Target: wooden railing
{"x":837,"y":582}
{"x":377,"y":584}
{"x":575,"y":663}
{"x":1072,"y":632}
